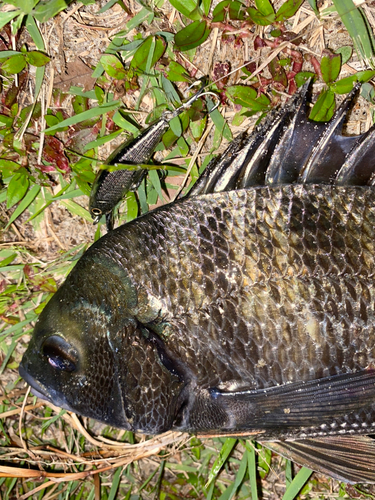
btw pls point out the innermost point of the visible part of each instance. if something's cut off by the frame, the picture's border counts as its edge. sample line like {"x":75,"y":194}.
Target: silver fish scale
{"x":259,"y":287}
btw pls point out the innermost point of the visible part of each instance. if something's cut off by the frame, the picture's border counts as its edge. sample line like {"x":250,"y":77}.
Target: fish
{"x":109,"y":188}
{"x":244,"y":308}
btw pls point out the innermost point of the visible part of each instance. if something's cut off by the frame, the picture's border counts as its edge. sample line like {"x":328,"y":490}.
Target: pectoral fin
{"x":346,"y":458}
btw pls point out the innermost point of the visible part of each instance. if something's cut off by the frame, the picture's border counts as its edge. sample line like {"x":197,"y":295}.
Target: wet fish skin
{"x":172,"y":282}
{"x":239,"y":312}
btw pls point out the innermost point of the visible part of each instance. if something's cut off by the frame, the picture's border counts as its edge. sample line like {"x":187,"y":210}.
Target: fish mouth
{"x":36,"y":389}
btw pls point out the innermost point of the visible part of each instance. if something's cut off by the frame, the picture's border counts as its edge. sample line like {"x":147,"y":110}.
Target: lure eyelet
{"x":96,"y":211}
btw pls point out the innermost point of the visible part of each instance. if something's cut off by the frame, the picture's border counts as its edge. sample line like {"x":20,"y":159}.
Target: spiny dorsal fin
{"x":329,"y":153}
{"x":289,"y":148}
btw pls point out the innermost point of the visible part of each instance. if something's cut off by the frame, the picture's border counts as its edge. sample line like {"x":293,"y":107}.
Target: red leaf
{"x":53,"y":152}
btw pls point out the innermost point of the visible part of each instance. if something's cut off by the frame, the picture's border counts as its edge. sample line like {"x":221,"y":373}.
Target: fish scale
{"x":267,"y":298}
{"x":235,"y":310}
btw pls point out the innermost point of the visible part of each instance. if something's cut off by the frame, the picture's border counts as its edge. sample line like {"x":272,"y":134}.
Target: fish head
{"x":70,"y":363}
{"x":90,"y":355}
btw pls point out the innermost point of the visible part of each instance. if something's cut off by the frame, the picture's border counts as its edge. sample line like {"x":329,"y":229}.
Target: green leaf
{"x":175,"y":125}
{"x":330,"y":66}
{"x":265,"y":7}
{"x":365,"y":76}
{"x":218,"y":14}
{"x":115,"y":481}
{"x":7,"y":167}
{"x":4,"y":54}
{"x":6,"y":121}
{"x":345,"y":52}
{"x":314,"y":7}
{"x":188,"y":8}
{"x":252,"y":468}
{"x":51,"y":120}
{"x":36,"y":58}
{"x":47,"y":9}
{"x":76,"y":209}
{"x":302,"y":77}
{"x":248,"y":97}
{"x":221,"y":127}
{"x":123,"y":123}
{"x":80,"y":104}
{"x":239,"y":477}
{"x":131,"y":206}
{"x":192,"y":36}
{"x":113,"y":66}
{"x":6,"y":17}
{"x":288,"y":9}
{"x":206,"y":4}
{"x":197,"y":128}
{"x":265,"y":14}
{"x":142,"y":16}
{"x":234,"y":8}
{"x":155,"y":181}
{"x":17,"y":23}
{"x":14,"y":64}
{"x":140,"y":57}
{"x":28,"y":198}
{"x":25,"y":5}
{"x":7,"y":260}
{"x":33,"y":29}
{"x":368,"y":93}
{"x":237,"y":11}
{"x":177,"y":73}
{"x":345,"y":85}
{"x":17,"y":188}
{"x":324,"y":107}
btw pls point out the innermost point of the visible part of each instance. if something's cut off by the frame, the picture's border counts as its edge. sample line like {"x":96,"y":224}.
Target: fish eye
{"x":61,"y":355}
{"x":96,"y":211}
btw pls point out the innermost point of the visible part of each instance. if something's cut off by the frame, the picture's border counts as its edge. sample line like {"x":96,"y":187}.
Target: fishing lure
{"x":109,"y":188}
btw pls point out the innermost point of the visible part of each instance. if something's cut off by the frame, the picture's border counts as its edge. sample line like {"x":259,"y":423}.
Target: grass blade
{"x":24,"y":203}
{"x":225,"y":451}
{"x":297,"y":484}
{"x":86,"y":115}
{"x":356,"y":23}
{"x":252,"y":468}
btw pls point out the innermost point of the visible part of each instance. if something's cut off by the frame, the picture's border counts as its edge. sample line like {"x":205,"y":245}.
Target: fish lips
{"x":40,"y":391}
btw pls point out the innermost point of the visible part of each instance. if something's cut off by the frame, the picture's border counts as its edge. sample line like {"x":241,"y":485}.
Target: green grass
{"x":40,"y":172}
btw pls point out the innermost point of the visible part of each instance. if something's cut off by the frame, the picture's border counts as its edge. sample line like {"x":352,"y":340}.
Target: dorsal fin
{"x":296,"y":142}
{"x":359,"y":165}
{"x":328,"y":155}
{"x":289,"y":148}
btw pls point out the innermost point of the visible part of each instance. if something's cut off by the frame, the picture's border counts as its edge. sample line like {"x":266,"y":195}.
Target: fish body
{"x":233,"y":311}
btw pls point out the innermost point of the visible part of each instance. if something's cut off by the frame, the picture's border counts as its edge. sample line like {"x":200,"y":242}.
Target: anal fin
{"x":347,"y":458}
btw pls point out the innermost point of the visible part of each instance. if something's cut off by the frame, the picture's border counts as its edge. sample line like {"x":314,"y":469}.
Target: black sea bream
{"x":244,"y":308}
